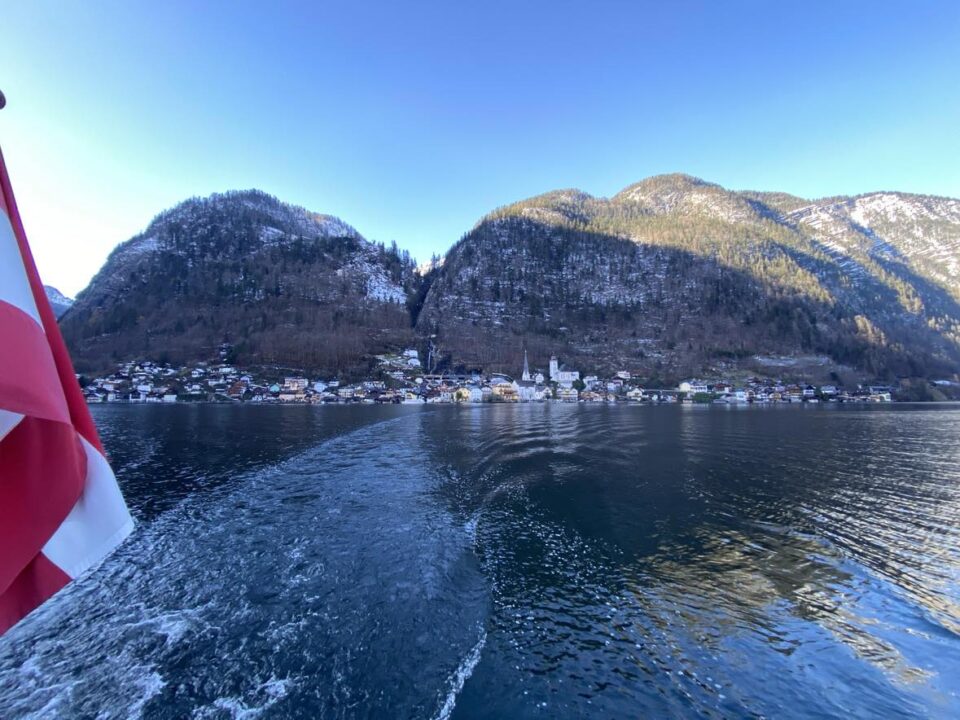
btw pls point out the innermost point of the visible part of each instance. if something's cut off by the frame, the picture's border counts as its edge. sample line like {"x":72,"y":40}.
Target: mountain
{"x":279,"y":284}
{"x":674,"y":275}
{"x":58,"y":301}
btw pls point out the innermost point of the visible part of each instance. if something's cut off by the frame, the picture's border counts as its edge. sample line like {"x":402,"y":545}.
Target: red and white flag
{"x":60,"y":508}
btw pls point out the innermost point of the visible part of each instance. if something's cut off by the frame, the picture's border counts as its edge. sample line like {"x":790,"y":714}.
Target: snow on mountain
{"x":675,"y":272}
{"x":58,"y":301}
{"x":671,"y":274}
{"x":282,"y":283}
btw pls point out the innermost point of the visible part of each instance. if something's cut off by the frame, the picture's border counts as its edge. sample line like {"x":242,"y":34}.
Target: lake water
{"x":514,"y":562}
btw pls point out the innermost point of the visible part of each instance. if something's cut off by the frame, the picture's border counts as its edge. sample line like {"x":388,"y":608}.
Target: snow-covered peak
{"x":58,"y":301}
{"x":54,"y":295}
{"x":901,"y":207}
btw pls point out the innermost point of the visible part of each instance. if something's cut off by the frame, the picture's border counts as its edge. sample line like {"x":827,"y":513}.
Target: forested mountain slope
{"x":673,"y":275}
{"x":280,"y":284}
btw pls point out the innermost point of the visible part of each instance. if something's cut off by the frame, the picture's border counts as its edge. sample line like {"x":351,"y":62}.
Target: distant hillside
{"x":279,"y":283}
{"x":674,"y":275}
{"x":58,"y":301}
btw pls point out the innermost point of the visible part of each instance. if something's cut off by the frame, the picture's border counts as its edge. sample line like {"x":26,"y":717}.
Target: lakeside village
{"x":401,"y":379}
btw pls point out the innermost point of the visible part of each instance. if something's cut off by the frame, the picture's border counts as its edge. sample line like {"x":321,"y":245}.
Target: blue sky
{"x":411,"y":121}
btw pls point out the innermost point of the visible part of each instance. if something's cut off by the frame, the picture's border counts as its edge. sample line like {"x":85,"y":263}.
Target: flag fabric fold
{"x":61,"y":510}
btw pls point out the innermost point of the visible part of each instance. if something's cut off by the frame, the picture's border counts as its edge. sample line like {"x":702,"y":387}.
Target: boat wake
{"x":460,"y":677}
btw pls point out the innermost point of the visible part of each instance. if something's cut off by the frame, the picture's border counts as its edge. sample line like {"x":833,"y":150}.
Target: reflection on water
{"x":514,"y":561}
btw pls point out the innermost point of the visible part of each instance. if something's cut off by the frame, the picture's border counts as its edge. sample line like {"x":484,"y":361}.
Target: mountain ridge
{"x":278,"y":283}
{"x":670,"y":275}
{"x":808,"y":252}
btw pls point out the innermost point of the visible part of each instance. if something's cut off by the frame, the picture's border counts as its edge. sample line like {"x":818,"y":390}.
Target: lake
{"x":526,"y":561}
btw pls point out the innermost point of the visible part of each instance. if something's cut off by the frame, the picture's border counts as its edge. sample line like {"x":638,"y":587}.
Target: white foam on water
{"x":460,"y":677}
{"x":471,"y":527}
{"x":274,"y":690}
{"x":150,"y":684}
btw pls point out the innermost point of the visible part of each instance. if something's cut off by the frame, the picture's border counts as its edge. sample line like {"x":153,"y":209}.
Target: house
{"x":295,"y":384}
{"x":635,"y":394}
{"x":692,"y":386}
{"x":567,"y":394}
{"x":623,"y":374}
{"x":527,"y":391}
{"x":170,"y":398}
{"x":809,"y":391}
{"x":505,"y":392}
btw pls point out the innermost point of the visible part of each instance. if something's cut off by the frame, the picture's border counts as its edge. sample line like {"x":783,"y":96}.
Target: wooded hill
{"x":672,"y":276}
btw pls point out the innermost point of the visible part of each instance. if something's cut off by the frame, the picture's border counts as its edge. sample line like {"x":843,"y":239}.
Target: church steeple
{"x":526,"y":368}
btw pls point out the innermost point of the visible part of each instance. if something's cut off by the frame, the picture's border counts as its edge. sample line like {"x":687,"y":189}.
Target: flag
{"x":61,"y":510}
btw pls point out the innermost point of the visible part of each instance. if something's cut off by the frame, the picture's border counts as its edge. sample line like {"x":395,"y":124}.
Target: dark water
{"x":514,"y":562}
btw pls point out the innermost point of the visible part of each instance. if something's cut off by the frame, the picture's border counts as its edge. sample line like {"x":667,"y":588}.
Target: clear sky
{"x":412,"y":120}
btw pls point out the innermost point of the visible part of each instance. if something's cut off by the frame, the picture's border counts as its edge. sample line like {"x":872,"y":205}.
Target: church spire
{"x":526,"y":367}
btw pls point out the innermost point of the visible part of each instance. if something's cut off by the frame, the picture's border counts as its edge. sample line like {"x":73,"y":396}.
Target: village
{"x":400,"y":378}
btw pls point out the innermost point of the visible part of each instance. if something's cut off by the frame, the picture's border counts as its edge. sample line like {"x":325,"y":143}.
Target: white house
{"x":692,"y":386}
{"x":527,"y":391}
